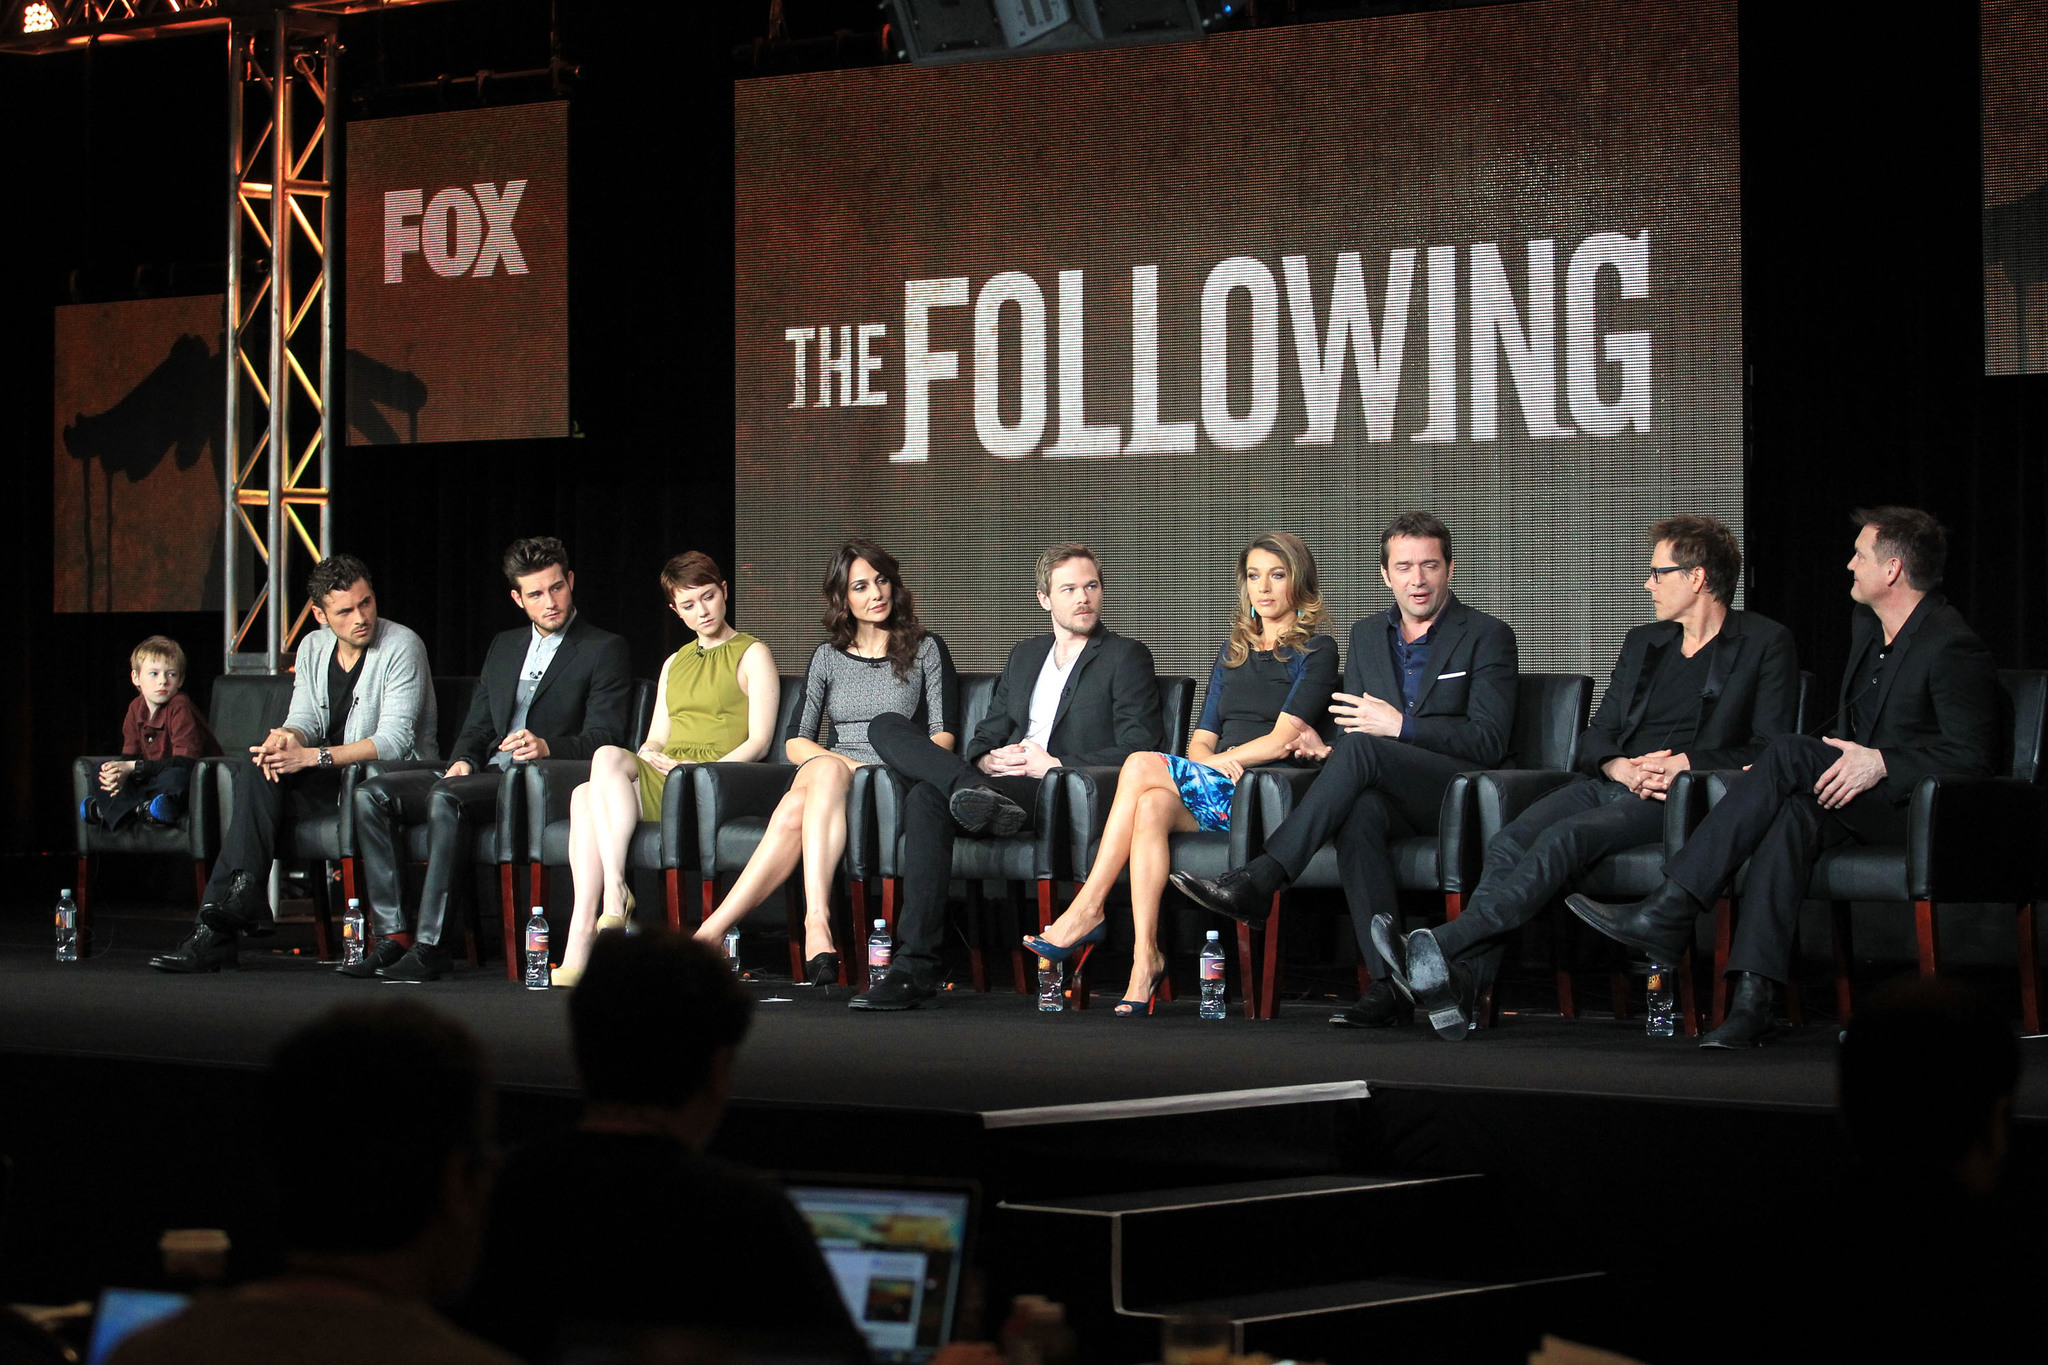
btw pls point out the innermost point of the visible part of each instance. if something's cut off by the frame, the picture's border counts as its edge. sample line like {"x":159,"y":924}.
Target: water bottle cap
{"x":354,"y":903}
{"x":1212,"y":935}
{"x":65,"y":892}
{"x":879,"y":924}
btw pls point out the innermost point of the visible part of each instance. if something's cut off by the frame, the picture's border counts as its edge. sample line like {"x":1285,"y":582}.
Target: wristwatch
{"x":327,"y":758}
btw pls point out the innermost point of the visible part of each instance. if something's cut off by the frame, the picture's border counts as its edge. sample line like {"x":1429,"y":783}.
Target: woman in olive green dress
{"x":715,"y":703}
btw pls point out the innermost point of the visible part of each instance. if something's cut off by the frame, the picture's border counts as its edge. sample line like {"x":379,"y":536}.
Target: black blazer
{"x":1937,"y":711}
{"x":1467,"y":706}
{"x":1751,"y":695}
{"x":1108,"y":710}
{"x":584,"y":701}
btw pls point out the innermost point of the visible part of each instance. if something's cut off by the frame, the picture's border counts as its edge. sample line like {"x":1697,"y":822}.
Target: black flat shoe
{"x":898,"y":991}
{"x":382,"y":953}
{"x":1386,"y":1005}
{"x":1234,"y":895}
{"x":823,"y":970}
{"x":1752,"y":1020}
{"x":984,"y":810}
{"x":1447,"y":990}
{"x":1393,"y":950}
{"x":426,"y":962}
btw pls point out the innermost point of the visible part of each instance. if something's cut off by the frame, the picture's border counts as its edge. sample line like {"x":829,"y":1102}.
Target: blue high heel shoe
{"x":1053,"y":952}
{"x":1128,"y":1009}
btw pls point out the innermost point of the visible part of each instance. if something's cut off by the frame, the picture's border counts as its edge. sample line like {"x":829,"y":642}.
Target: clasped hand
{"x":1025,"y":758}
{"x":1648,"y":776}
{"x":114,"y":772}
{"x":281,"y":752}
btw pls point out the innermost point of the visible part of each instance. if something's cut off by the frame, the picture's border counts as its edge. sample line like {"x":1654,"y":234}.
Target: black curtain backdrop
{"x":1862,"y":250}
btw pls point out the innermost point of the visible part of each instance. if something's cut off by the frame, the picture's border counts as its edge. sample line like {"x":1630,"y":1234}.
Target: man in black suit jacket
{"x":1429,"y":692}
{"x":1083,"y":695}
{"x":1700,"y":687}
{"x":558,"y":688}
{"x":1920,"y":697}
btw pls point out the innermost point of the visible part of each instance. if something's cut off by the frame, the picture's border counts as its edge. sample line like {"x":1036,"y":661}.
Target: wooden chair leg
{"x":2030,"y":970}
{"x":1454,"y":905}
{"x":1561,"y":965}
{"x":82,"y":895}
{"x":1364,"y":981}
{"x":1927,"y":933}
{"x":855,"y":954}
{"x":1269,"y":979}
{"x":1618,"y":986}
{"x":323,"y":915}
{"x":1845,"y":959}
{"x":672,"y":896}
{"x":977,"y":921}
{"x":793,"y":924}
{"x":1688,"y":1002}
{"x":1247,"y":971}
{"x":1567,"y":1003}
{"x":1014,"y":931}
{"x":198,"y":882}
{"x":1724,"y":939}
{"x":1486,"y":1010}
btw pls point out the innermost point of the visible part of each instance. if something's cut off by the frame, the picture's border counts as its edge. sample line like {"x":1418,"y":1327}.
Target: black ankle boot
{"x":208,"y":950}
{"x":1659,"y":926}
{"x":1752,"y":1013}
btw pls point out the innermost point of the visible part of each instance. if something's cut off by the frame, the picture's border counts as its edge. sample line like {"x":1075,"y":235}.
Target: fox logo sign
{"x":457,"y":232}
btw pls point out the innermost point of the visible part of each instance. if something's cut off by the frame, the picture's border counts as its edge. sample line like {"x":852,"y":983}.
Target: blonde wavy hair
{"x":1303,"y":583}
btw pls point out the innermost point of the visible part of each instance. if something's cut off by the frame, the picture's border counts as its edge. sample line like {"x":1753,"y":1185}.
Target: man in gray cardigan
{"x":361,"y":690}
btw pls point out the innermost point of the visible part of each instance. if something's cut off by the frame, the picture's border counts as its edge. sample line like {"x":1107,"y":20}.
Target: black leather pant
{"x":1371,"y":789}
{"x":928,"y":833}
{"x":451,"y":807}
{"x":264,"y":812}
{"x":1534,"y":858}
{"x":1771,"y":818}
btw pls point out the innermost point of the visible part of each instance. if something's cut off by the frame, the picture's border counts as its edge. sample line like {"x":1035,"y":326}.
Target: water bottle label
{"x":1212,"y":968}
{"x":536,"y":940}
{"x":879,"y":954}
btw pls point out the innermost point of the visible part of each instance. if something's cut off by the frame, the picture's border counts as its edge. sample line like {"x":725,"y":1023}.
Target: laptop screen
{"x":123,"y":1311}
{"x":897,"y":1254}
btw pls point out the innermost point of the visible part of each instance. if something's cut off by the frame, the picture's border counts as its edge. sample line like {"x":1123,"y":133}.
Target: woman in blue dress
{"x":1270,"y":688}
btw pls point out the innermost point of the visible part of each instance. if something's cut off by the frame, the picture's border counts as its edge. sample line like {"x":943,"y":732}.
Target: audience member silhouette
{"x":366,"y":1257}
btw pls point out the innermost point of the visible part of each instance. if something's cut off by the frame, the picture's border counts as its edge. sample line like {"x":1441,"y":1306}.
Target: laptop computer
{"x":898,"y":1251}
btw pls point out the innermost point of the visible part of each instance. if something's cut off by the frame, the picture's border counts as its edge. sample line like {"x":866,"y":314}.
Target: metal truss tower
{"x":284,"y":148}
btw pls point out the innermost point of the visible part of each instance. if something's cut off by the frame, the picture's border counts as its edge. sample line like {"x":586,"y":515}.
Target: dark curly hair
{"x":906,"y":632}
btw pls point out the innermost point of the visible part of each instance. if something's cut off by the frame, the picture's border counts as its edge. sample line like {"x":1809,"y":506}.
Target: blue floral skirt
{"x":1204,"y":791}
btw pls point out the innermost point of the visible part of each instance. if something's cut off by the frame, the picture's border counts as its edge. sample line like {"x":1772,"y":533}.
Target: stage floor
{"x":963,"y":1052}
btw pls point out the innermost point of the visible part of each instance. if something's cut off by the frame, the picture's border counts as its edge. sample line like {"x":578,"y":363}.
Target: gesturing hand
{"x":1848,"y":777}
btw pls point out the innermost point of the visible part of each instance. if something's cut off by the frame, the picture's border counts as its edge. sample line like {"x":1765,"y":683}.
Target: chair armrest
{"x":1279,"y":790}
{"x":732,"y":791}
{"x":1976,"y":839}
{"x":1247,"y":836}
{"x":85,"y":782}
{"x":550,"y":782}
{"x":1051,"y":850}
{"x":874,"y":822}
{"x":1088,"y":796}
{"x":1460,"y":851}
{"x":678,"y":819}
{"x":1504,"y":793}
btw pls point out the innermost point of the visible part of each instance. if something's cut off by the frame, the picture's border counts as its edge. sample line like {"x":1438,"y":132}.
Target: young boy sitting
{"x":160,"y":736}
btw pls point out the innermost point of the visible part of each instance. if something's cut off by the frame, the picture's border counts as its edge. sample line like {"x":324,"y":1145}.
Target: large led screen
{"x":1162,"y":299}
{"x":458,"y":276}
{"x":2014,"y":34}
{"x":140,"y":401}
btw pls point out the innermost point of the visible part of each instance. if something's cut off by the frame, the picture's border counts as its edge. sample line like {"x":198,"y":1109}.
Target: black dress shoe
{"x":426,"y":962}
{"x":1659,"y":927}
{"x":246,"y":906}
{"x":382,"y":953}
{"x":1751,"y":1020}
{"x":1234,"y":895}
{"x":208,"y":950}
{"x":984,"y":810}
{"x":898,"y":991}
{"x":1384,"y":1006}
{"x":1392,"y":949}
{"x":1447,"y":990}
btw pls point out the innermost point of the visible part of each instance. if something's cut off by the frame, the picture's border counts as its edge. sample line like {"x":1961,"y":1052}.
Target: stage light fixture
{"x":37,"y":18}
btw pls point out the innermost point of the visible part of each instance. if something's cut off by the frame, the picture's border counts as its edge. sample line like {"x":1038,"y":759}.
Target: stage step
{"x":1303,"y":1262}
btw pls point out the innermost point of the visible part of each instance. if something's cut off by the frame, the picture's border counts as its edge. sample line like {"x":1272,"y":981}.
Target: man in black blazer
{"x":1920,"y":696}
{"x":1082,"y":694}
{"x":1700,"y":687}
{"x":558,"y":688}
{"x":1429,"y":692}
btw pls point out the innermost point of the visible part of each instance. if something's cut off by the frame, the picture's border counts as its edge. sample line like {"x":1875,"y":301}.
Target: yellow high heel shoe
{"x":605,"y":922}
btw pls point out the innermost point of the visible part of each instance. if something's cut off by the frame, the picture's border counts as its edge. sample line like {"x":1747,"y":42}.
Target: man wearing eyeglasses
{"x":1920,"y":697}
{"x":1702,"y":686}
{"x":557,"y":688}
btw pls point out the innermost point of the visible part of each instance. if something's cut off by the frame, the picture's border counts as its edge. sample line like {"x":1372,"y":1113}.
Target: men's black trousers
{"x":1771,"y":817}
{"x":928,"y":833}
{"x":451,"y":808}
{"x":1535,"y":858}
{"x":1371,"y":790}
{"x":264,"y":813}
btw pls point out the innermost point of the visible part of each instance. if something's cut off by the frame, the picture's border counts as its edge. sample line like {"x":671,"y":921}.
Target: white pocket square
{"x":1446,"y":677}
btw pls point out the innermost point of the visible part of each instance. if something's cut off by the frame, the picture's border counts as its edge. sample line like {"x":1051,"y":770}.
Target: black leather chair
{"x":668,"y":845}
{"x":1550,"y":712}
{"x":1968,"y":840}
{"x":244,"y":708}
{"x":731,"y":803}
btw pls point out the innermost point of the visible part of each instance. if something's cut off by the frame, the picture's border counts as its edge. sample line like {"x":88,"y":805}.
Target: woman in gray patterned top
{"x":876,"y":657}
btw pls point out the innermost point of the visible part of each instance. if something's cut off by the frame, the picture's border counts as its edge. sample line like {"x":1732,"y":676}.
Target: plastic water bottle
{"x":1660,"y":1013}
{"x":880,"y":952}
{"x":1051,"y":988}
{"x":537,"y":975}
{"x":67,"y":927}
{"x":732,"y":951}
{"x":1212,"y":977}
{"x":352,"y":933}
